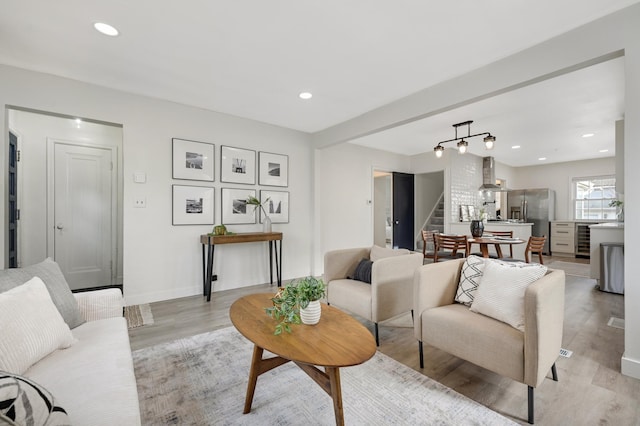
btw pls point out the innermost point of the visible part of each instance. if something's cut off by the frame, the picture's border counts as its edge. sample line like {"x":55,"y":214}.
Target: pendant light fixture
{"x":462,"y":143}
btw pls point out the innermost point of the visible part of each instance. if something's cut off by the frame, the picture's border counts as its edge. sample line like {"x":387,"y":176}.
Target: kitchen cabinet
{"x":563,"y":239}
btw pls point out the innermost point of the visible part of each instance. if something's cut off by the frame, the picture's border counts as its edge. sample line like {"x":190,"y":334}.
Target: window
{"x":591,"y":198}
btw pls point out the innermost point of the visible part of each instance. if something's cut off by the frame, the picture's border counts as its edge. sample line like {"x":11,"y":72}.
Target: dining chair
{"x":535,"y":245}
{"x":428,"y":244}
{"x":503,"y":234}
{"x":450,"y":247}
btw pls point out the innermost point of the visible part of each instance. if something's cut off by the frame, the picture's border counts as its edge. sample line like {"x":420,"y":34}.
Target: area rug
{"x":202,"y":380}
{"x":138,"y":315}
{"x":570,"y":268}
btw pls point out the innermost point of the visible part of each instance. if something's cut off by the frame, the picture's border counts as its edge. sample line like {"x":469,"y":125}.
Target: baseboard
{"x":630,"y":367}
{"x":176,"y":293}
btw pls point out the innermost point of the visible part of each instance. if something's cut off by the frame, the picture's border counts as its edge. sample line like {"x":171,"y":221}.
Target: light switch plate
{"x":139,"y":177}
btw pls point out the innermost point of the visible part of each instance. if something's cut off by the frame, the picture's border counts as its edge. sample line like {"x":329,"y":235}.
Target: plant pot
{"x":477,"y":228}
{"x":311,"y":314}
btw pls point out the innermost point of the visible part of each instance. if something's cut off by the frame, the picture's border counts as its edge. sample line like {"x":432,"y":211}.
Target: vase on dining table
{"x":477,"y":228}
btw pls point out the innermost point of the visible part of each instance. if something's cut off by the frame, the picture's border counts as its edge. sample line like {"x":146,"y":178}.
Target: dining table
{"x":486,"y":240}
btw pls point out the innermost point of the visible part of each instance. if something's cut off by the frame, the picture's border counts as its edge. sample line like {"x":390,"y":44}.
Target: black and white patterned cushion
{"x":470,"y":277}
{"x":24,"y":402}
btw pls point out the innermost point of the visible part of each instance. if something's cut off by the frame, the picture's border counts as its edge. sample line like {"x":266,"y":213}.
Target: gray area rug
{"x":201,"y":380}
{"x":570,"y":268}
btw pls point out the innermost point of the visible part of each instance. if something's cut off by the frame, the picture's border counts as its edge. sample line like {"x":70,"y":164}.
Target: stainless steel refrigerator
{"x":537,"y":206}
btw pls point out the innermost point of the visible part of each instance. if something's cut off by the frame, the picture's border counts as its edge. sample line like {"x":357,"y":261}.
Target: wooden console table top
{"x":242,"y":237}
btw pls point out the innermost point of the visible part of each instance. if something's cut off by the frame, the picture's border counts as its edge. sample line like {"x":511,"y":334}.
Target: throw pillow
{"x":378,"y":252}
{"x":49,"y":272}
{"x":24,"y":402}
{"x":363,"y":271}
{"x":470,"y":277}
{"x":32,"y":327}
{"x":501,"y":295}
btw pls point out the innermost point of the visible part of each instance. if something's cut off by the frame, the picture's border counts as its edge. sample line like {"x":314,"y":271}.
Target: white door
{"x":83,"y":214}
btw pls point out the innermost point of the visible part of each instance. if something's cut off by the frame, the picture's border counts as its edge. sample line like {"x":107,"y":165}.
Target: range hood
{"x":489,"y":176}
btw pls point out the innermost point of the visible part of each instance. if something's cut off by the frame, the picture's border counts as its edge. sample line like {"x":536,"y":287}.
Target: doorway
{"x":70,"y":196}
{"x":393,"y":209}
{"x":83,"y":212}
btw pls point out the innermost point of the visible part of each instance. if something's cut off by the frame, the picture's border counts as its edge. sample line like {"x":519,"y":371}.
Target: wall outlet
{"x":140,"y":202}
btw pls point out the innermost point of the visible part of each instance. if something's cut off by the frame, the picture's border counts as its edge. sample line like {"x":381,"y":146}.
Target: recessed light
{"x":588,"y":135}
{"x":542,"y":158}
{"x":515,"y":147}
{"x":305,"y":95}
{"x":604,"y":150}
{"x":106,"y":29}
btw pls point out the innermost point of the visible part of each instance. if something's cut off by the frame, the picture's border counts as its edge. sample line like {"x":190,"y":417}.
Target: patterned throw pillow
{"x":363,"y":271}
{"x":470,"y":277}
{"x":24,"y":402}
{"x":501,"y":295}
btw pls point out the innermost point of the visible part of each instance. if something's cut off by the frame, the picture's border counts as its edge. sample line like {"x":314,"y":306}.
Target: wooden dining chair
{"x":503,"y":234}
{"x":535,"y":245}
{"x":450,"y":247}
{"x":428,"y":244}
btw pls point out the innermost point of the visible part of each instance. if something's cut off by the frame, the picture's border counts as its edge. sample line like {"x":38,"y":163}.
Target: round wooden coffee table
{"x":338,"y":340}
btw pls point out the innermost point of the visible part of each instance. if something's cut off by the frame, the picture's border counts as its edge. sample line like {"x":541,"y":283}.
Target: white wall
{"x":162,"y":261}
{"x":344,"y":193}
{"x":558,"y":177}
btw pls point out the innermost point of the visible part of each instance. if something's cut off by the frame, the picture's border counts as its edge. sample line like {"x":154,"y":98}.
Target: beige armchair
{"x":390,"y":292}
{"x":523,"y":356}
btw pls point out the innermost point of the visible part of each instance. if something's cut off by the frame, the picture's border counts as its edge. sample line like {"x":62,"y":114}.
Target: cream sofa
{"x":390,"y":292}
{"x":452,"y":327}
{"x":92,"y":380}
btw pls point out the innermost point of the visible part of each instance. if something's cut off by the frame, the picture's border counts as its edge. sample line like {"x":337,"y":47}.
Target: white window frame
{"x":606,"y":213}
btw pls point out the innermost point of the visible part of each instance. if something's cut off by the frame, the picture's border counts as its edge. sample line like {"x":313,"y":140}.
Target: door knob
{"x":397,"y":222}
{"x":59,"y":227}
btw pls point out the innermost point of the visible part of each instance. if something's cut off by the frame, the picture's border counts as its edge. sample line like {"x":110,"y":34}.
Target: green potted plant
{"x":297,"y":302}
{"x":619,"y":205}
{"x":251,"y":200}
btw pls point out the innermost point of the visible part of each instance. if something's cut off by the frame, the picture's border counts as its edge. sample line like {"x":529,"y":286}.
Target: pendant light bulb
{"x":488,"y":142}
{"x":462,"y":146}
{"x":439,"y":150}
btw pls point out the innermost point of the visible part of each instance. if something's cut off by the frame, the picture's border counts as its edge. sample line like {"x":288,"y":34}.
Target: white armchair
{"x":390,"y":292}
{"x":525,"y":356}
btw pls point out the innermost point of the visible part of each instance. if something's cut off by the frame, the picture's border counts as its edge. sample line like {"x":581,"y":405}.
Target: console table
{"x":210,"y":241}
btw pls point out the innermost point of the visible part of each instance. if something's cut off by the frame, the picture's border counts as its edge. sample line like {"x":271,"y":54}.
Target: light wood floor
{"x":591,"y":390}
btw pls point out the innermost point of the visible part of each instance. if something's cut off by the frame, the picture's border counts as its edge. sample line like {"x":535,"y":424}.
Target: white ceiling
{"x":251,"y":58}
{"x":547,"y":120}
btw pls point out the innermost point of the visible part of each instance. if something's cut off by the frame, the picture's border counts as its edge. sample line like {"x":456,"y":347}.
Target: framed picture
{"x":237,"y":165}
{"x":235,"y":209}
{"x":193,"y":160}
{"x":472,"y":212}
{"x":464,"y":213}
{"x":276,"y":203}
{"x":273,"y":169}
{"x":193,"y":205}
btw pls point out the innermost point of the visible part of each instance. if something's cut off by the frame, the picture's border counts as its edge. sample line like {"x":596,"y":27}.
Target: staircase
{"x":435,"y":221}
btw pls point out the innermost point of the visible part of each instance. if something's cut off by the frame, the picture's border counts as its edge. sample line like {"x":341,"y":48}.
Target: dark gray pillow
{"x":363,"y":271}
{"x":49,"y":272}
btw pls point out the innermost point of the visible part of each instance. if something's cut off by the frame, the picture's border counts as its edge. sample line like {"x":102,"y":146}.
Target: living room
{"x":163,"y":262}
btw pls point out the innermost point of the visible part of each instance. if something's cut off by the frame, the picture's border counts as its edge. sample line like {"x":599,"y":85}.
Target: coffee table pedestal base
{"x":328,"y":380}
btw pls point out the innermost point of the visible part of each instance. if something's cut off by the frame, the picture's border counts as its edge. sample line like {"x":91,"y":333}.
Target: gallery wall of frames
{"x":194,"y":203}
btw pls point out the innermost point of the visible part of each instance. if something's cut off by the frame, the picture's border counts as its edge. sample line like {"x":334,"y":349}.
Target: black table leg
{"x":204,"y":272}
{"x":279,"y":265}
{"x":210,"y":271}
{"x":271,"y":262}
